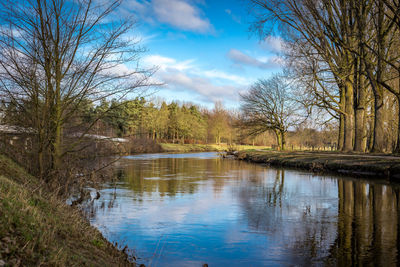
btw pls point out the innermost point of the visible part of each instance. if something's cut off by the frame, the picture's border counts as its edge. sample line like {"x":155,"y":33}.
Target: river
{"x":196,"y":208}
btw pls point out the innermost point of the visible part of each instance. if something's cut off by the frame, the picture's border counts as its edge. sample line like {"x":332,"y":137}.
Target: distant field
{"x":209,"y":147}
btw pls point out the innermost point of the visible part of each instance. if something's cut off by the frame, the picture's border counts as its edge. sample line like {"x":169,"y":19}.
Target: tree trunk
{"x":349,"y":117}
{"x":40,"y":163}
{"x":360,"y":131}
{"x":283,"y":141}
{"x":57,"y":118}
{"x":341,"y":133}
{"x":371,"y":129}
{"x":379,"y":127}
{"x":360,"y":138}
{"x":280,"y":139}
{"x":341,"y":119}
{"x":57,"y":147}
{"x":397,"y":149}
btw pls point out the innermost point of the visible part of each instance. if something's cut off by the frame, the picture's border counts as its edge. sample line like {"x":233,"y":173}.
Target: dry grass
{"x":37,"y":228}
{"x":366,"y":165}
{"x":208,"y":147}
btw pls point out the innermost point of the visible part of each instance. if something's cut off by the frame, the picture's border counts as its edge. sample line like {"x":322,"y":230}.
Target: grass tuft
{"x":37,"y":228}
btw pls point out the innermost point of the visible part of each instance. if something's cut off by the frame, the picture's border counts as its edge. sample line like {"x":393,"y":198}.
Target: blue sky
{"x":204,"y":50}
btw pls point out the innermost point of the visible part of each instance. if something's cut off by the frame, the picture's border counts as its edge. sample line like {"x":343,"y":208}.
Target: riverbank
{"x":37,"y":228}
{"x":167,"y":147}
{"x":366,"y":165}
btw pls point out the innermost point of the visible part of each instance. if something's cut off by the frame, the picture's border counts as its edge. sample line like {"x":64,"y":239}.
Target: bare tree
{"x":55,"y":54}
{"x":270,"y":105}
{"x":384,"y":72}
{"x":354,"y":44}
{"x":219,"y":122}
{"x":320,"y":31}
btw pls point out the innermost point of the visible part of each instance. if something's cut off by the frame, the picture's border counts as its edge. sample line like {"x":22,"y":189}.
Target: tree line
{"x":344,"y":57}
{"x":187,"y":123}
{"x":162,"y":122}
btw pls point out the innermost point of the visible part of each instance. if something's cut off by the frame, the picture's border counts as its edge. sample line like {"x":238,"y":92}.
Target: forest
{"x":184,"y":123}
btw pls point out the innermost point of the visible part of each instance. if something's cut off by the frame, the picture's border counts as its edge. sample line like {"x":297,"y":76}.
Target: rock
{"x":2,"y":263}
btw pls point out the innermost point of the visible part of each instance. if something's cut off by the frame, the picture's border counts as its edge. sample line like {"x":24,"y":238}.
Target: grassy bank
{"x":37,"y":228}
{"x":379,"y":166}
{"x":208,"y":147}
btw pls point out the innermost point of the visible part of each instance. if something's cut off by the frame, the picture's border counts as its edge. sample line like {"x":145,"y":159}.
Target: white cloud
{"x":202,"y":86}
{"x":178,"y":13}
{"x":165,"y":62}
{"x":147,"y":38}
{"x":233,"y":16}
{"x":181,"y":14}
{"x":140,"y":7}
{"x":225,"y":76}
{"x":241,"y":58}
{"x":273,"y":44}
{"x":210,"y":85}
{"x":157,"y":60}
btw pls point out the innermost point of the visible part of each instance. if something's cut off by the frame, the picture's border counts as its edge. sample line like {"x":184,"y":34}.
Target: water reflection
{"x":368,"y":221}
{"x":189,"y":209}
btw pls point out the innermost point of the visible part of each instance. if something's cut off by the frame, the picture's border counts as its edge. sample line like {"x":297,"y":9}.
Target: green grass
{"x":37,"y":228}
{"x":207,"y":147}
{"x":186,"y":147}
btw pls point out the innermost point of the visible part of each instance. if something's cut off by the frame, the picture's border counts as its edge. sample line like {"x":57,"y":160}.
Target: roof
{"x":10,"y":129}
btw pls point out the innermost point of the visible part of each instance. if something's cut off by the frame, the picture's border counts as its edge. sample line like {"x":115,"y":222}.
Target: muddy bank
{"x":374,"y":166}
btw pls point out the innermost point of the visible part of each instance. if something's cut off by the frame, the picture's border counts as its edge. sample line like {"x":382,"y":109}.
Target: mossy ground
{"x":37,"y":228}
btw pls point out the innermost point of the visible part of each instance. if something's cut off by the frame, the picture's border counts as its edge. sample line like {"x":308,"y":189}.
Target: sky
{"x":203,"y":49}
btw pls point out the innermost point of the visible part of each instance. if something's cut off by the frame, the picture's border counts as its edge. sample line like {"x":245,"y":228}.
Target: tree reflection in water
{"x":232,"y":211}
{"x":368,"y":225}
{"x":363,"y":230}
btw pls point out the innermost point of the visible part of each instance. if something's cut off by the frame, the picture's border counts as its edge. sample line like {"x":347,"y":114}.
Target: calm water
{"x":191,"y":209}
